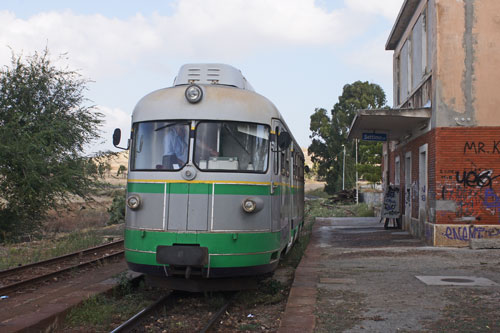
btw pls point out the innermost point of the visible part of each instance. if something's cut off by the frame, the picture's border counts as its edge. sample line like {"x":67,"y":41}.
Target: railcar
{"x":216,"y":180}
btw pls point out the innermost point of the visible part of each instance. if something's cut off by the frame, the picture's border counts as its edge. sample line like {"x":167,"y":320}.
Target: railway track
{"x":166,"y":304}
{"x":26,"y":275}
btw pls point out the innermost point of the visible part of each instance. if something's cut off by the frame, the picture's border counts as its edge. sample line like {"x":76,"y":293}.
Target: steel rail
{"x":218,"y":314}
{"x":133,"y":321}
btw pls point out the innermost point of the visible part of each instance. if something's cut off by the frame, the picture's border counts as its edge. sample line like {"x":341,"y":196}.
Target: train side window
{"x":282,"y":162}
{"x":295,"y":159}
{"x":276,"y":160}
{"x":288,"y":162}
{"x":285,"y":169}
{"x":301,"y":168}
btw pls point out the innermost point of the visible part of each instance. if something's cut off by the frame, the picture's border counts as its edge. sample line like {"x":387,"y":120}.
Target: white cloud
{"x":372,"y":56}
{"x":113,"y":118}
{"x":94,"y":43}
{"x":375,"y":62}
{"x":387,"y":8}
{"x":108,"y":49}
{"x":223,"y":29}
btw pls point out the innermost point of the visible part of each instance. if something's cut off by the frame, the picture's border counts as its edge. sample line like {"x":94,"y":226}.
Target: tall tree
{"x":44,"y":126}
{"x":329,"y":135}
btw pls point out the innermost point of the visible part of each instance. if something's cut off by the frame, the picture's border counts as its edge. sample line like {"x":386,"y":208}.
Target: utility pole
{"x":357,"y":189}
{"x":343,"y":171}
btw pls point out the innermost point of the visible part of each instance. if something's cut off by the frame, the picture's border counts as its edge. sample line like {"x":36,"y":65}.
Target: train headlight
{"x":249,"y":205}
{"x":133,"y":202}
{"x":193,"y":93}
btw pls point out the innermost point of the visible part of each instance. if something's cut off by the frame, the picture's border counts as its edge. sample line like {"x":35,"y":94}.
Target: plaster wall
{"x":486,"y":34}
{"x":468,"y":58}
{"x":450,"y":59}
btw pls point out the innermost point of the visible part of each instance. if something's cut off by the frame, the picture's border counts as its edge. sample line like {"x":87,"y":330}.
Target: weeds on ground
{"x":12,"y":255}
{"x":319,"y":193}
{"x":105,"y":312}
{"x":269,"y":291}
{"x":321,"y":208}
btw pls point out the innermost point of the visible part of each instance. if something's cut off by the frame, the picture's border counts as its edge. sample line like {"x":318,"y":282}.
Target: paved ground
{"x":358,"y":277}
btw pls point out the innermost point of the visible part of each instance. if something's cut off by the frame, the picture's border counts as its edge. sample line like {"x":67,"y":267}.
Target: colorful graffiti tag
{"x":473,"y":187}
{"x":467,"y":233}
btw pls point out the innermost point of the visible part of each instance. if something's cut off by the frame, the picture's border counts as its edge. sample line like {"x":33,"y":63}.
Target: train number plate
{"x":182,"y":255}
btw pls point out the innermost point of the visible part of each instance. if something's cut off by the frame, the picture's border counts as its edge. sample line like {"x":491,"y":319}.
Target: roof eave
{"x":405,"y":14}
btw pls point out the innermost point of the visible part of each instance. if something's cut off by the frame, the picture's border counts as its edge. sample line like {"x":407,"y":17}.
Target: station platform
{"x":355,"y":276}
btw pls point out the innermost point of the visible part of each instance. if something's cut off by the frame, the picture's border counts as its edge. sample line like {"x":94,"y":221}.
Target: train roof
{"x":221,"y":74}
{"x":227,"y":95}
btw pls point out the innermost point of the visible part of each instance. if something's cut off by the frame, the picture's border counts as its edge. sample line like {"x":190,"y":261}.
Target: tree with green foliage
{"x":329,"y":137}
{"x":122,"y":170}
{"x":44,"y":127}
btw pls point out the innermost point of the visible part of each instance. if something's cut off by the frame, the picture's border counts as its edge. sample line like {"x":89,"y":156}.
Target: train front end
{"x":199,"y":195}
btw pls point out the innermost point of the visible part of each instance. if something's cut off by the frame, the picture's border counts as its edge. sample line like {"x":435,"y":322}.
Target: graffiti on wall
{"x":479,"y":147}
{"x":474,"y":187}
{"x":391,"y":207}
{"x":467,"y":233}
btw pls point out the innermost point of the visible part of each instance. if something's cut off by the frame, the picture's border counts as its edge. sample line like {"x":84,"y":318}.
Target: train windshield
{"x":233,"y":146}
{"x":160,"y":145}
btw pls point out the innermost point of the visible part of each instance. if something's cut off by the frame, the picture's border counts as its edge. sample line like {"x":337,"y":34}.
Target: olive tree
{"x":45,"y":123}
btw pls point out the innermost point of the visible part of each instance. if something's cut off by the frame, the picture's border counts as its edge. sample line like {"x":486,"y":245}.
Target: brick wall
{"x":468,"y":175}
{"x":416,"y":189}
{"x":463,"y":185}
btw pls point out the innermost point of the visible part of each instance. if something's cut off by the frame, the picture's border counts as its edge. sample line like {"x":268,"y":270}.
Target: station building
{"x":443,"y":134}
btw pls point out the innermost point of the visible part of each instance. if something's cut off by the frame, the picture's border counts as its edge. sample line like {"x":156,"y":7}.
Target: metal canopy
{"x":396,"y":123}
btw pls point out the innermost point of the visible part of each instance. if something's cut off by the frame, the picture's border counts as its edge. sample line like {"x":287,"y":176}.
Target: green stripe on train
{"x":198,"y":188}
{"x":245,"y":247}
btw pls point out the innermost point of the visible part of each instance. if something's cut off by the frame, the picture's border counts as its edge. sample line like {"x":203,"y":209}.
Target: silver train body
{"x":215,"y":182}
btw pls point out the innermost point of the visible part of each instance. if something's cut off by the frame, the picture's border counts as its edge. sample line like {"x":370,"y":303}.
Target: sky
{"x":297,"y":53}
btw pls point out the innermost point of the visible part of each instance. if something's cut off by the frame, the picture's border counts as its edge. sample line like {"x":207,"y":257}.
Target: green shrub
{"x":117,"y":209}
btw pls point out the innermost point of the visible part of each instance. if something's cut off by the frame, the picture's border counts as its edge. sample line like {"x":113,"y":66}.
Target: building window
{"x":424,"y":43}
{"x":397,"y":171}
{"x":422,"y":182}
{"x":408,"y":184}
{"x":412,"y":62}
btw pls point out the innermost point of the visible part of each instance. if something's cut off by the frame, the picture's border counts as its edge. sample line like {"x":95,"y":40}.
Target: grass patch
{"x":322,"y":208}
{"x":249,"y":327}
{"x":319,"y":192}
{"x":103,"y":313}
{"x":12,"y":255}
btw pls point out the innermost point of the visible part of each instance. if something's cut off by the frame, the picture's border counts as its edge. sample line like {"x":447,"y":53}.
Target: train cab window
{"x":232,"y":146}
{"x":159,"y":145}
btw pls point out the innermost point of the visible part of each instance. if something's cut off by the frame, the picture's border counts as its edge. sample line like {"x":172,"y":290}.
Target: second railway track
{"x":21,"y":276}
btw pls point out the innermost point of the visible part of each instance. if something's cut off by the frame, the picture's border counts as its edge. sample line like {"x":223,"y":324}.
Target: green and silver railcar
{"x":215,"y":183}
